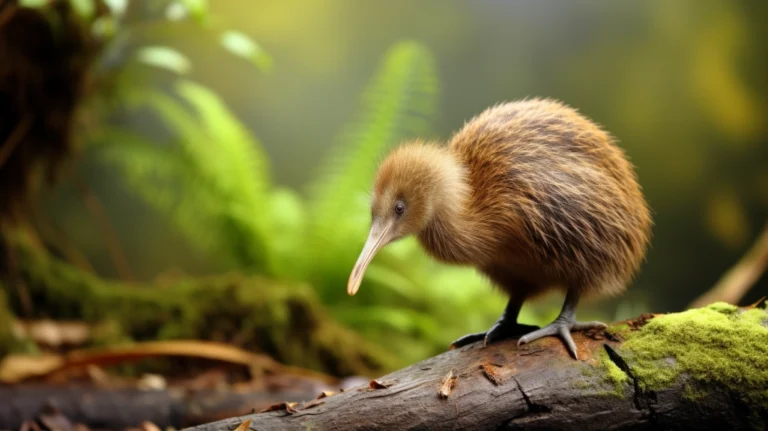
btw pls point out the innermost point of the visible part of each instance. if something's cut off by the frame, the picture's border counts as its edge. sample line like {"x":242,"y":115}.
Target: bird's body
{"x":532,"y":194}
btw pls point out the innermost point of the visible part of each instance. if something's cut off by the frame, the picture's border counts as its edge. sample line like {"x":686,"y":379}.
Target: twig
{"x":735,"y":283}
{"x":107,"y":230}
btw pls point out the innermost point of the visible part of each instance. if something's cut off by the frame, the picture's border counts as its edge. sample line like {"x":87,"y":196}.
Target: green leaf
{"x":84,"y":8}
{"x":198,"y":9}
{"x":214,"y":185}
{"x":241,"y":45}
{"x":165,"y":58}
{"x":104,"y":27}
{"x":245,"y":165}
{"x":117,"y":7}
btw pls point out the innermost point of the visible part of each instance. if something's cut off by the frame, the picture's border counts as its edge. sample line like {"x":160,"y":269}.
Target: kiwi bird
{"x":532,"y":194}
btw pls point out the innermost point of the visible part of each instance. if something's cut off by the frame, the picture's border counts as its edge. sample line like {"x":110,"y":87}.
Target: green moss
{"x":693,"y":393}
{"x":587,"y":371}
{"x":285,"y":320}
{"x":613,"y":376}
{"x":716,"y":344}
{"x":618,"y":327}
{"x":757,"y":422}
{"x":581,"y":384}
{"x":724,"y":308}
{"x":757,"y":317}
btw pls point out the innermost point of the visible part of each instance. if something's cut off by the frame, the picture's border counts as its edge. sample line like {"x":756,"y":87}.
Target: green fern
{"x":287,"y":236}
{"x":399,"y":103}
{"x":159,"y":175}
{"x":215,"y":179}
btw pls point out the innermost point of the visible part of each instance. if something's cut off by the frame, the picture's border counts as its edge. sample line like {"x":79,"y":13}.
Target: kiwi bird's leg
{"x":563,"y":325}
{"x":505,"y":327}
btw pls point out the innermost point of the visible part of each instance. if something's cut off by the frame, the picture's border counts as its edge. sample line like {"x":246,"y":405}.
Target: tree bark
{"x":536,"y":386}
{"x":124,"y":408}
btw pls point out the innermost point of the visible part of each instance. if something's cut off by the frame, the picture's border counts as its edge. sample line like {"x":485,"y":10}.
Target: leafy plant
{"x":399,"y":103}
{"x":213,"y":181}
{"x":117,"y":28}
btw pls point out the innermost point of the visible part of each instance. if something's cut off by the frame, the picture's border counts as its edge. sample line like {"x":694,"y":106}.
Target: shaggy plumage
{"x":532,"y":194}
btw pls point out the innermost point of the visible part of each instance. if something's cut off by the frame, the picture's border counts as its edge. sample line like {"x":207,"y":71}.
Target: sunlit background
{"x":259,"y":163}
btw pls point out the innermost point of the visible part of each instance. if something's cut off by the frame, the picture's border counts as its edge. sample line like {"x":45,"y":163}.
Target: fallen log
{"x":124,"y":408}
{"x":704,"y":368}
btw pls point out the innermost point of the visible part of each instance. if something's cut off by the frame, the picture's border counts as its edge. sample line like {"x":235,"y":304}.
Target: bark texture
{"x":122,"y":408}
{"x":538,"y":386}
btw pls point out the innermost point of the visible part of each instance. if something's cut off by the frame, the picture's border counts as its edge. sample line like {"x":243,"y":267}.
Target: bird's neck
{"x":450,"y":234}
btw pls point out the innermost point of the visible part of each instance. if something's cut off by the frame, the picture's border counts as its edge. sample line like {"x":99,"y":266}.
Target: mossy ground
{"x":718,"y":344}
{"x":285,"y":320}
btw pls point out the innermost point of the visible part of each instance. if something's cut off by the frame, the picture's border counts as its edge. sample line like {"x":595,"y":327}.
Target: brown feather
{"x":531,"y":193}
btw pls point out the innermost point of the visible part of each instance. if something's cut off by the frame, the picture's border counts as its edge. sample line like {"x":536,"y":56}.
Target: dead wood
{"x":123,"y":408}
{"x":536,"y":386}
{"x":735,"y":283}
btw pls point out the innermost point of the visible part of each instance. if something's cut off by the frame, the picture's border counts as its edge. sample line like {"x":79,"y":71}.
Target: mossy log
{"x":700,"y":369}
{"x":284,"y":320}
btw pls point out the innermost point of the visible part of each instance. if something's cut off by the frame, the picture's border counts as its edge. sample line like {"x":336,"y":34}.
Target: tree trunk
{"x":700,"y":369}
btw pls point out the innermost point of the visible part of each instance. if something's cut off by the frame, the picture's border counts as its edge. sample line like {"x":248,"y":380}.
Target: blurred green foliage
{"x":399,"y":103}
{"x":677,"y":82}
{"x":213,"y":180}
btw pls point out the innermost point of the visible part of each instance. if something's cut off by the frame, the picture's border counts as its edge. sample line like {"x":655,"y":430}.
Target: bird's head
{"x":416,"y":183}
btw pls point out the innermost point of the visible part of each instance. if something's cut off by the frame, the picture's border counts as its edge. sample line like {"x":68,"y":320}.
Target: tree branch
{"x":619,"y":385}
{"x":735,"y":283}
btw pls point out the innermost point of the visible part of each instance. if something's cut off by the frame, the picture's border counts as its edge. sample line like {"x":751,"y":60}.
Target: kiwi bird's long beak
{"x":378,"y":237}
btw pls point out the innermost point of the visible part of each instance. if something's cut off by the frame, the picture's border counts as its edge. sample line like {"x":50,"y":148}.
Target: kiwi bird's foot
{"x":499,"y":331}
{"x":562,"y":327}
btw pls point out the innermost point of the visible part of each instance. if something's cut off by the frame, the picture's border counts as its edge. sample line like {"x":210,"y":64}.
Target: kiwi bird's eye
{"x":399,"y":208}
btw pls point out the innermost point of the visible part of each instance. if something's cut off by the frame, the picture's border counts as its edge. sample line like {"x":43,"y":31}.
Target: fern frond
{"x":221,"y":176}
{"x":243,"y":166}
{"x":228,"y":160}
{"x":287,"y":236}
{"x":159,"y":175}
{"x":398,"y":103}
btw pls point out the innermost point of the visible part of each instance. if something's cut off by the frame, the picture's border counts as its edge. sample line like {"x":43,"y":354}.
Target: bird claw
{"x":562,"y":328}
{"x":467,"y":339}
{"x":499,"y":331}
